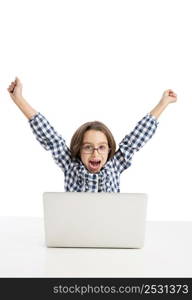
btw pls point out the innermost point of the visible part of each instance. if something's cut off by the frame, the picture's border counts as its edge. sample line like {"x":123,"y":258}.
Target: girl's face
{"x":94,"y":159}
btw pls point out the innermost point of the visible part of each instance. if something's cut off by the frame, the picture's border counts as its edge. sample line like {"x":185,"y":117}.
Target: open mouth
{"x":94,"y":164}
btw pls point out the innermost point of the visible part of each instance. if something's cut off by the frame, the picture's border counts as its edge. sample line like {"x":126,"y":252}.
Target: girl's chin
{"x":94,"y":171}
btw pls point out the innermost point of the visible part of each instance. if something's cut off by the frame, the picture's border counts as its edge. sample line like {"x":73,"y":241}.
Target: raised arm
{"x":44,"y":132}
{"x":142,"y":132}
{"x":15,"y":92}
{"x":168,"y":97}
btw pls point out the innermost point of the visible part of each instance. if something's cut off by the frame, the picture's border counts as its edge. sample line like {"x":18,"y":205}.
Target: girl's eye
{"x":88,"y":147}
{"x":102,"y":147}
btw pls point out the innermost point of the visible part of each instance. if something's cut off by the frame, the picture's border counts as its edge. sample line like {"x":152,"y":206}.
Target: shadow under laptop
{"x":94,"y":262}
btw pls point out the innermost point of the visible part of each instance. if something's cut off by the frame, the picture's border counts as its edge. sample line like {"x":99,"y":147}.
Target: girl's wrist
{"x":18,"y":99}
{"x":164,"y":102}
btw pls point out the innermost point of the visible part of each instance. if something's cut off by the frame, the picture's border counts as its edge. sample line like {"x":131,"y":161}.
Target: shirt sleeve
{"x":134,"y":141}
{"x":51,"y":140}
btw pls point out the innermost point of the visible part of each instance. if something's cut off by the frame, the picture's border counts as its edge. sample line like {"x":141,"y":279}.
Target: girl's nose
{"x":95,"y":152}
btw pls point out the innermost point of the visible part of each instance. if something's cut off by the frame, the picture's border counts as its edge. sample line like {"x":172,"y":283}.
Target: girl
{"x":91,"y":164}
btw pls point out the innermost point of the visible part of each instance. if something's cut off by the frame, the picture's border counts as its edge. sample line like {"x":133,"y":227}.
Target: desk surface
{"x":166,"y":253}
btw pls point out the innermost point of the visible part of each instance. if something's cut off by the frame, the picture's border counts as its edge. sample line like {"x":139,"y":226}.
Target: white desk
{"x":167,"y":253}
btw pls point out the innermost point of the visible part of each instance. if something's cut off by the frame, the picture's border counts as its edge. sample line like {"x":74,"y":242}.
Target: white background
{"x":101,"y":60}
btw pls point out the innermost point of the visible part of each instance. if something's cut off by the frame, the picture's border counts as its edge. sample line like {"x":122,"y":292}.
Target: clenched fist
{"x":169,"y":97}
{"x":15,"y":89}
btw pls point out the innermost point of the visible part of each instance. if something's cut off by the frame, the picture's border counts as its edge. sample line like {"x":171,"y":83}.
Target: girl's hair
{"x":77,"y":138}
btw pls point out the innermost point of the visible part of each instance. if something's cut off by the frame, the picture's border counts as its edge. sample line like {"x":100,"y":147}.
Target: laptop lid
{"x":104,"y":220}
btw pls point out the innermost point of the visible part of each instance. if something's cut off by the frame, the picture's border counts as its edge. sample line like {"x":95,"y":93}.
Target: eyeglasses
{"x":89,"y":149}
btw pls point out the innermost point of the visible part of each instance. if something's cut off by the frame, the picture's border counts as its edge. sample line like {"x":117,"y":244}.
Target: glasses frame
{"x":95,"y":148}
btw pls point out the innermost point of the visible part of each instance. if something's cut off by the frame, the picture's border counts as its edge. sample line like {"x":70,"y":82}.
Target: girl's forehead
{"x":94,"y":136}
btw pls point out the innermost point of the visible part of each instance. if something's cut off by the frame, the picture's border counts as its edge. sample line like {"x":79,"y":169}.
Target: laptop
{"x":94,"y":220}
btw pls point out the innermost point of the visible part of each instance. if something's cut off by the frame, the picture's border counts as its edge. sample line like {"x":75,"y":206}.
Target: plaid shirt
{"x":76,"y":177}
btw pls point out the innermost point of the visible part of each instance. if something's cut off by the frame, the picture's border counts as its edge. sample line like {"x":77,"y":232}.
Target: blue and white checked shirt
{"x":76,"y":177}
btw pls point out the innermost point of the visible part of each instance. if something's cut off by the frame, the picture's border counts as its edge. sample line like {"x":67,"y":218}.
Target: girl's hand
{"x":168,"y":97}
{"x":15,"y":89}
